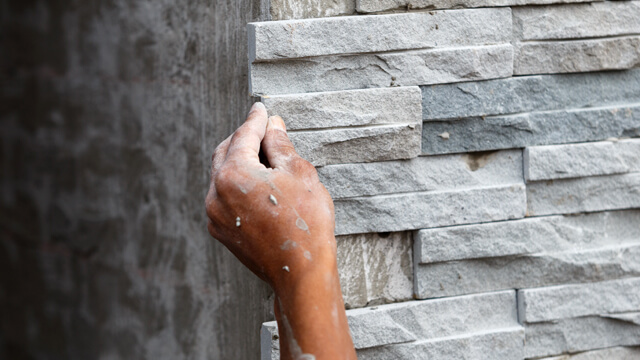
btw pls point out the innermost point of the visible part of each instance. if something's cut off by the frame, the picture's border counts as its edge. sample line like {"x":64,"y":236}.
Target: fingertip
{"x":276,"y":122}
{"x":258,"y":106}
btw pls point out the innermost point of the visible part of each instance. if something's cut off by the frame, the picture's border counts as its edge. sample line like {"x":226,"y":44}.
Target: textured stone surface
{"x":529,"y":129}
{"x":581,"y":160}
{"x":410,"y":211}
{"x":375,"y":268}
{"x":359,"y":144}
{"x":583,"y":194}
{"x":576,"y":20}
{"x":527,"y":271}
{"x":579,"y":334}
{"x":530,"y":93}
{"x":577,"y":55}
{"x":292,"y":39}
{"x":369,"y":6}
{"x":423,"y":174}
{"x":526,"y":236}
{"x":467,"y":318}
{"x":505,"y":344}
{"x":347,"y":108}
{"x":416,"y":67}
{"x":111,"y":110}
{"x":614,"y":353}
{"x":568,"y":301}
{"x":302,"y":9}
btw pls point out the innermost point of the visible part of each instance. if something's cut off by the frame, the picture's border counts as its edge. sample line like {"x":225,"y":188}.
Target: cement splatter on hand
{"x":273,"y":200}
{"x":285,"y":268}
{"x":238,"y":221}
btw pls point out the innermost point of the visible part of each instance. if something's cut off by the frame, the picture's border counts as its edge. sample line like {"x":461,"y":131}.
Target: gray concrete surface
{"x":109,"y":113}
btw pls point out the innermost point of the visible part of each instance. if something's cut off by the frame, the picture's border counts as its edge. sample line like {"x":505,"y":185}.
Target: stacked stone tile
{"x":484,"y":165}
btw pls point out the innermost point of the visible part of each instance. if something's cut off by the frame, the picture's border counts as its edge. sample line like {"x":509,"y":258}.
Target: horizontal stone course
{"x":430,"y":173}
{"x":358,"y":144}
{"x":274,"y":40}
{"x":347,"y":108}
{"x":526,"y":236}
{"x":375,"y":268}
{"x":574,"y":21}
{"x":407,"y":68}
{"x":469,"y":318}
{"x":505,"y":344}
{"x":526,"y":271}
{"x":581,"y":160}
{"x":530,"y":93}
{"x":370,"y":6}
{"x":583,"y":194}
{"x":614,"y":353}
{"x":578,"y":334}
{"x":529,"y":129}
{"x":549,"y":57}
{"x":410,"y":211}
{"x":303,"y":9}
{"x":569,"y":301}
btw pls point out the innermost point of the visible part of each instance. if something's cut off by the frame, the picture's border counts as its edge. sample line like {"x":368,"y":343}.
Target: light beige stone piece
{"x":302,"y":9}
{"x":371,"y":6}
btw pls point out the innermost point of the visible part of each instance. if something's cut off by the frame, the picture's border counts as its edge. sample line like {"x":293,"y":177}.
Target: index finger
{"x":245,"y":142}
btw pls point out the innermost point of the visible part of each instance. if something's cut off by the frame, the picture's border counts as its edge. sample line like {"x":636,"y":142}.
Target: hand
{"x":278,"y":221}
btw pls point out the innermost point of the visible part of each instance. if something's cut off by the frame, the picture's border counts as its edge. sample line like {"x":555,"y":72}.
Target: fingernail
{"x":277,"y":122}
{"x":258,"y":106}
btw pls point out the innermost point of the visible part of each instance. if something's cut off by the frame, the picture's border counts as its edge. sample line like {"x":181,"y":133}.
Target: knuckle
{"x":224,"y":179}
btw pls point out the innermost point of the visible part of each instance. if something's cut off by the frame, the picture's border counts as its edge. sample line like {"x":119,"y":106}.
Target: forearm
{"x":311,"y":317}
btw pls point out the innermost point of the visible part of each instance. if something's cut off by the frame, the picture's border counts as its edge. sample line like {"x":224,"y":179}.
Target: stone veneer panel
{"x":369,"y":6}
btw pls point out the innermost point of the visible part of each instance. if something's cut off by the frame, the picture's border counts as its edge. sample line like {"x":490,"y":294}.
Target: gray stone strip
{"x":577,"y":55}
{"x":530,"y":129}
{"x":526,"y":236}
{"x":431,"y":173}
{"x":575,"y":21}
{"x":526,"y":271}
{"x":614,"y":353}
{"x":568,"y":301}
{"x":375,"y":268}
{"x":291,"y":39}
{"x":436,"y":320}
{"x":371,"y":6}
{"x":581,"y":160}
{"x":347,"y":108}
{"x":304,"y":9}
{"x":358,"y":144}
{"x":505,"y":344}
{"x":420,"y":210}
{"x":530,"y":93}
{"x":583,"y":194}
{"x":579,"y":334}
{"x":406,"y":68}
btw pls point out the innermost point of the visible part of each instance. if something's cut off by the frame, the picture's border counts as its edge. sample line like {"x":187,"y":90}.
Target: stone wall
{"x":485,"y":168}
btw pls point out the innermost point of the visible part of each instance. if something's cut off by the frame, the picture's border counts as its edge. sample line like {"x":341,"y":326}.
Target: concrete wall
{"x":110,"y":111}
{"x":484,"y":164}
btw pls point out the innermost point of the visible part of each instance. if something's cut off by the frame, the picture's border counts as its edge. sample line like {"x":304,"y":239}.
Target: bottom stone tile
{"x":615,"y":353}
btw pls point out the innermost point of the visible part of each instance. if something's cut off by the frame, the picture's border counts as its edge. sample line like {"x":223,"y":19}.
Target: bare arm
{"x":279,"y":222}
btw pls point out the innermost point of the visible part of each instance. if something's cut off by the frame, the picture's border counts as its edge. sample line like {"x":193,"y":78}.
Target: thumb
{"x":279,"y":149}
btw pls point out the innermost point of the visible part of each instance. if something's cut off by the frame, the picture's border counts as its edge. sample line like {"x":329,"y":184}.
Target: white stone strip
{"x":411,"y":211}
{"x":529,"y":129}
{"x":431,"y":173}
{"x":370,"y":6}
{"x":530,"y":94}
{"x":375,"y":268}
{"x":577,"y":56}
{"x":581,"y":160}
{"x":436,"y":320}
{"x":504,"y":344}
{"x":406,"y":68}
{"x":614,"y":353}
{"x":578,"y":334}
{"x":290,"y":39}
{"x":575,"y":300}
{"x":526,"y":236}
{"x":583,"y":194}
{"x":347,"y":108}
{"x":358,"y":144}
{"x":575,"y":21}
{"x":527,"y":271}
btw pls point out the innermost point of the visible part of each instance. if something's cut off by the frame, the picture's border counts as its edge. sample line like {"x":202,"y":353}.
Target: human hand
{"x":279,"y":220}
